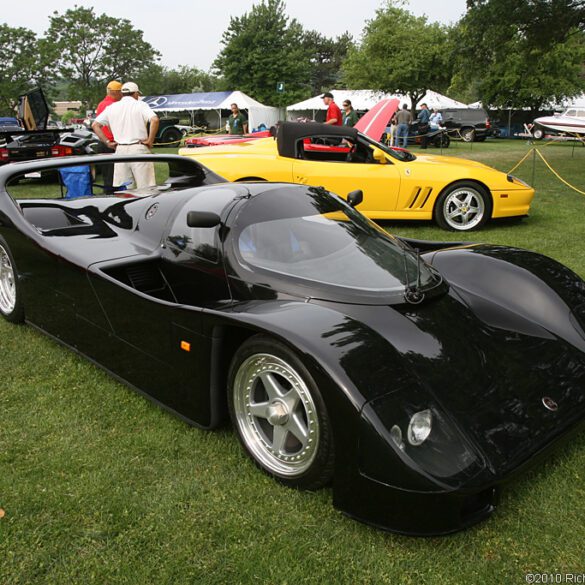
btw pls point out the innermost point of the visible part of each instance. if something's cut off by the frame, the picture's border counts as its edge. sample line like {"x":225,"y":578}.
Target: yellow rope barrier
{"x":557,"y":174}
{"x":521,"y":161}
{"x":548,"y":165}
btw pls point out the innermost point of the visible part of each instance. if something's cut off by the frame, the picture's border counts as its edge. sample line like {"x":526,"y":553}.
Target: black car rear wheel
{"x":463,"y":206}
{"x":467,"y":134}
{"x":11,"y":307}
{"x":279,"y":414}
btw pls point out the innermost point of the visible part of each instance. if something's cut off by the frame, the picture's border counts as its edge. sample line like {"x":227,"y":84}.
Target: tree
{"x":90,"y":50}
{"x":522,"y":53}
{"x":400,"y":53}
{"x":184,"y":79}
{"x":540,"y":22}
{"x":261,"y":49}
{"x":20,"y":67}
{"x":326,"y":57}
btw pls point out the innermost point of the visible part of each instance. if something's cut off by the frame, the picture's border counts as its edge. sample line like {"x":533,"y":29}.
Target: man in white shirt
{"x":128,"y":120}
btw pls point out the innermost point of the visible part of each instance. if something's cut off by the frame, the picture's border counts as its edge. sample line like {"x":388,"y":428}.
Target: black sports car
{"x":416,"y":384}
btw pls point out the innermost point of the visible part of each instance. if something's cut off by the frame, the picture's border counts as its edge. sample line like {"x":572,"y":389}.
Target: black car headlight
{"x":420,"y":439}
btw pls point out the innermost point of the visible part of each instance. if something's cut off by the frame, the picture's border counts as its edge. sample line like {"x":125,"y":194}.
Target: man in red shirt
{"x":113,"y":95}
{"x":334,"y":116}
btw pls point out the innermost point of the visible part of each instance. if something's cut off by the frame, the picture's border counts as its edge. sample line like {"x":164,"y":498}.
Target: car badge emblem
{"x":549,"y":403}
{"x":407,"y":172}
{"x":151,"y":211}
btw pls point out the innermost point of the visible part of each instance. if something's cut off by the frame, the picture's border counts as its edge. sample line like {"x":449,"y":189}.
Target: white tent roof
{"x":577,"y":102}
{"x":245,"y":102}
{"x":257,"y":113}
{"x":364,"y":99}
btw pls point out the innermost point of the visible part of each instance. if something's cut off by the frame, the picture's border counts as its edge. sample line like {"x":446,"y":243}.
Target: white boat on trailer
{"x":571,"y":123}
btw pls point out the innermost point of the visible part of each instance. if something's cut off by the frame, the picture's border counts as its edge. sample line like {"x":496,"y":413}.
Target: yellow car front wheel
{"x":463,"y":206}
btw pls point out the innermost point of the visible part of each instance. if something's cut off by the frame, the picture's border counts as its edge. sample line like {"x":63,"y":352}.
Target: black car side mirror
{"x":202,"y":219}
{"x":354,"y":198}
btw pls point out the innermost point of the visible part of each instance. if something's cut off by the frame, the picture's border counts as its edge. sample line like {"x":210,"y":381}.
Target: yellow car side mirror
{"x":379,"y":156}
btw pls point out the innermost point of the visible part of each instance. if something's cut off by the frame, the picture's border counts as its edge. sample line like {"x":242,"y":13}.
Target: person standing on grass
{"x":134,"y":126}
{"x":403,"y":121}
{"x":113,"y":95}
{"x":350,"y":116}
{"x":423,"y":124}
{"x":333,"y":117}
{"x":237,"y":122}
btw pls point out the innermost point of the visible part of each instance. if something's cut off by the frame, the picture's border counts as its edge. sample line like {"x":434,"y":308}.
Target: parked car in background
{"x":169,"y":133}
{"x":30,"y":136}
{"x":457,"y":194}
{"x":9,"y":123}
{"x":469,"y":124}
{"x":222,"y":139}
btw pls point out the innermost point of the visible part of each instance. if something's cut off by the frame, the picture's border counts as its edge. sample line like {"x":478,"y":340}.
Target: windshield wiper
{"x":412,"y":292}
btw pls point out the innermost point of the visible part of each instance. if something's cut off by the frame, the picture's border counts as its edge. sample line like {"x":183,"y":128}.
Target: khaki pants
{"x":137,"y":175}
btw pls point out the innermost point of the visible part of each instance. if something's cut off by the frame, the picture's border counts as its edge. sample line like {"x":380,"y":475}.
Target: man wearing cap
{"x":128,"y":120}
{"x":333,"y":116}
{"x":113,"y":95}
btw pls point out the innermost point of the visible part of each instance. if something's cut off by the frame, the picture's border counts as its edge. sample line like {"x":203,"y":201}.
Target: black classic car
{"x":416,"y":377}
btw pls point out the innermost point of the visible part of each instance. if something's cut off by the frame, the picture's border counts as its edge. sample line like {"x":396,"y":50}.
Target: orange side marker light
{"x":185,"y":346}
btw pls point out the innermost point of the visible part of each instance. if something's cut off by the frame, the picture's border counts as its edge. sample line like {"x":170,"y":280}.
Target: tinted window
{"x":186,"y":242}
{"x":309,"y":236}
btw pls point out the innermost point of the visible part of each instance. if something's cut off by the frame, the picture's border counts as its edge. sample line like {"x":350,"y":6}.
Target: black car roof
{"x":290,"y":132}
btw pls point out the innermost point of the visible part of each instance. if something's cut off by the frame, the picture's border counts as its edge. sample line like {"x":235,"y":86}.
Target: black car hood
{"x":490,"y":379}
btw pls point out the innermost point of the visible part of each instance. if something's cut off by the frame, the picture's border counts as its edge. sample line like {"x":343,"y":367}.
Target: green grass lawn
{"x":100,"y":486}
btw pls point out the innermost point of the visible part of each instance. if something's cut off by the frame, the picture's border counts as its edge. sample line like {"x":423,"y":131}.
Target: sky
{"x":188,"y":32}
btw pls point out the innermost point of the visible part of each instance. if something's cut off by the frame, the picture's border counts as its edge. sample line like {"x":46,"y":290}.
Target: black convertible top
{"x":290,"y":132}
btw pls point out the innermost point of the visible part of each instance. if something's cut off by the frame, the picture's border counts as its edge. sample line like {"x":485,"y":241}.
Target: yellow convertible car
{"x":458,"y":194}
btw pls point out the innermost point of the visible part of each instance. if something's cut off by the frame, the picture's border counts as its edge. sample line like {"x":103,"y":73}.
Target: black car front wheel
{"x":279,"y":414}
{"x":171,"y":137}
{"x":463,"y":206}
{"x":11,"y":307}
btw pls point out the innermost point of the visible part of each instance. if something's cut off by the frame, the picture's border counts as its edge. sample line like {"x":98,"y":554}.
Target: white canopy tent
{"x":364,"y":99}
{"x":215,"y":102}
{"x":576,"y":102}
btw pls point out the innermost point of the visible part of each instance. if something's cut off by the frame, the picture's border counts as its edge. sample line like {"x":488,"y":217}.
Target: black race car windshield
{"x":308,"y":237}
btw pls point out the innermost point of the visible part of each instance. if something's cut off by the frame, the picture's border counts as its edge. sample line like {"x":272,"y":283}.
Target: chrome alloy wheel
{"x":276,"y":415}
{"x":7,"y":283}
{"x":463,"y":209}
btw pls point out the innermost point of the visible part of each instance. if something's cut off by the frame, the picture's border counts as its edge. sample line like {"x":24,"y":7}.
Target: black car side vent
{"x":145,"y":277}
